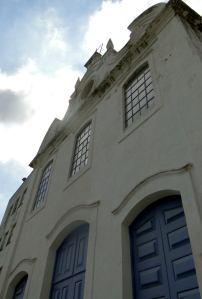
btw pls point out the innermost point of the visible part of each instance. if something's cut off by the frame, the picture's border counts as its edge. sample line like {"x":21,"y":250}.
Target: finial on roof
{"x":110,"y":45}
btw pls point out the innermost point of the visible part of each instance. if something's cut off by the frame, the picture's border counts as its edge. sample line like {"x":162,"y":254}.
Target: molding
{"x":124,"y":201}
{"x":82,"y":206}
{"x":29,"y":261}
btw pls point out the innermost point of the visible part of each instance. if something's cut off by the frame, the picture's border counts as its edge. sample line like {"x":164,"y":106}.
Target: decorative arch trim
{"x":29,"y":261}
{"x":72,"y":219}
{"x":56,"y":226}
{"x":24,"y":267}
{"x":162,"y":172}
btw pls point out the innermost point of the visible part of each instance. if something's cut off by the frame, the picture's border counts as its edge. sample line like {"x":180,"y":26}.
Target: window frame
{"x":75,"y":147}
{"x":73,"y":138}
{"x":133,"y":87}
{"x":156,"y":105}
{"x":10,"y":234}
{"x":15,"y":206}
{"x":37,"y":208}
{"x":3,"y":242}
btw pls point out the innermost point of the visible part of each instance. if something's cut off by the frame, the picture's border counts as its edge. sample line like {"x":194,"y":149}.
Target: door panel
{"x":62,"y":290}
{"x":70,"y":265}
{"x":179,"y":258}
{"x":78,"y":286}
{"x":81,"y":250}
{"x":65,"y":258}
{"x":148,"y":264}
{"x":162,"y":261}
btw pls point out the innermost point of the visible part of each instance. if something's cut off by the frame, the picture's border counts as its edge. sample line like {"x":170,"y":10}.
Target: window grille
{"x":15,"y":206}
{"x":3,"y":241}
{"x":138,"y":95}
{"x":81,"y":150}
{"x":43,"y":185}
{"x":10,"y":235}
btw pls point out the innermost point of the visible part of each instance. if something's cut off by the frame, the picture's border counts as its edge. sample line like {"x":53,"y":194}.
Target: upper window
{"x":43,"y":185}
{"x":138,"y":95}
{"x":81,"y":150}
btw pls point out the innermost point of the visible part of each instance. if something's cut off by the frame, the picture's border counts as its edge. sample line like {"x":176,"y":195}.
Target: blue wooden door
{"x":20,"y":288}
{"x":70,"y":265}
{"x":161,"y":255}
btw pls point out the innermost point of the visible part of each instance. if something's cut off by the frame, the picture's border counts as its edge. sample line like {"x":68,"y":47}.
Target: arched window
{"x":70,"y":265}
{"x":20,"y":288}
{"x":161,"y":255}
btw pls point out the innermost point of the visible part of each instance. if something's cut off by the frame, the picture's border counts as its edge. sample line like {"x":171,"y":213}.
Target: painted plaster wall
{"x":105,"y":193}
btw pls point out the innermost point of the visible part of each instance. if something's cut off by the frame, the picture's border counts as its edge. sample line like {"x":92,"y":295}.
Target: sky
{"x":44,"y":45}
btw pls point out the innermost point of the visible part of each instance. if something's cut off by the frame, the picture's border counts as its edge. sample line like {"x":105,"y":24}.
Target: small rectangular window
{"x":138,"y":95}
{"x":81,"y":150}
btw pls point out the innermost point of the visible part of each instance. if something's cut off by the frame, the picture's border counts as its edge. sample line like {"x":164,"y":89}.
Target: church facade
{"x":113,"y":206}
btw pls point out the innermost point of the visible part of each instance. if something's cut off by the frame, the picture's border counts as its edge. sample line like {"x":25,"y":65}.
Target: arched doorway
{"x":20,"y":288}
{"x":161,"y":254}
{"x":70,"y":265}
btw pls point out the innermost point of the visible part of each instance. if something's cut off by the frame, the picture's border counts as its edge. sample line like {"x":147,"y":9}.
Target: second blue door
{"x":70,"y":266}
{"x":161,"y":254}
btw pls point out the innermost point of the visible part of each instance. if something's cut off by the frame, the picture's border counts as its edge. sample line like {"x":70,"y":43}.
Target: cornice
{"x":187,"y":13}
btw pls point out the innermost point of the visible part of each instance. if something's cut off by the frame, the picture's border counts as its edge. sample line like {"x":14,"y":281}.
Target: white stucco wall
{"x":157,"y":156}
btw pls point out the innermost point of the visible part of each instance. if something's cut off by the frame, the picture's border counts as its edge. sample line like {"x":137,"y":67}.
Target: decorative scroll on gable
{"x":138,"y":26}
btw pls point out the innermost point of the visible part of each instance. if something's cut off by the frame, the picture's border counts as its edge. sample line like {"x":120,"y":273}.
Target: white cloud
{"x":195,"y":5}
{"x":54,"y":32}
{"x":47,"y":96}
{"x":38,"y":35}
{"x":13,"y":108}
{"x":111,"y":21}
